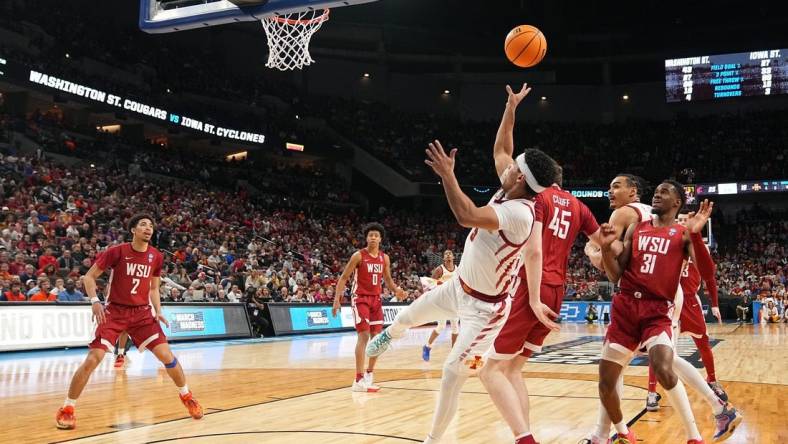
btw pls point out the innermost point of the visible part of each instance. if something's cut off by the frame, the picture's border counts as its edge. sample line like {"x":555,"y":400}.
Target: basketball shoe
{"x":652,"y":401}
{"x":629,"y":438}
{"x":363,"y":387}
{"x":65,"y":418}
{"x":195,"y":409}
{"x":120,"y":360}
{"x":716,"y":387}
{"x":379,"y":344}
{"x":726,"y":422}
{"x":370,"y":381}
{"x":696,"y":441}
{"x":425,"y":353}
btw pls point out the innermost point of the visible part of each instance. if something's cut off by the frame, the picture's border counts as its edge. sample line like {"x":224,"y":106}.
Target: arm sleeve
{"x":516,"y":218}
{"x":588,"y":223}
{"x":706,"y":267}
{"x":109,"y":258}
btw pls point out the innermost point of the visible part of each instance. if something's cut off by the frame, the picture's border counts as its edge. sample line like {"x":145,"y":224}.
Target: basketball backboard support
{"x":157,"y":16}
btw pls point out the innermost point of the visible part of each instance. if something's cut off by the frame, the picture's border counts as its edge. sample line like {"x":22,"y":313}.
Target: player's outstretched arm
{"x":398,"y":291}
{"x":533,"y":271}
{"x":467,"y":213}
{"x":350,"y":267}
{"x":503,"y":149}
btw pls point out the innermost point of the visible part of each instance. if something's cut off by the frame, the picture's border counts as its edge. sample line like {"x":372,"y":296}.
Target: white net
{"x":289,"y":36}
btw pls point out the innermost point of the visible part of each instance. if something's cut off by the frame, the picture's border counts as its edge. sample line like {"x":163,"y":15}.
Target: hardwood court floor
{"x":296,"y":390}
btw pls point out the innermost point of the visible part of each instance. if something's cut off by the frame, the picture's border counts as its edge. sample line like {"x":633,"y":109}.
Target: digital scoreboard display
{"x":722,"y":76}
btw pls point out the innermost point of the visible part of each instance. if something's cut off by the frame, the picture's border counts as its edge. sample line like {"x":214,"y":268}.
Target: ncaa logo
{"x":672,"y":231}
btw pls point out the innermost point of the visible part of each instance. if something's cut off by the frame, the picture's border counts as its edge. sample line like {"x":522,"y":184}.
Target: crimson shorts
{"x":137,"y":321}
{"x":691,"y":319}
{"x":523,"y":334}
{"x":635,"y":322}
{"x":367,"y":313}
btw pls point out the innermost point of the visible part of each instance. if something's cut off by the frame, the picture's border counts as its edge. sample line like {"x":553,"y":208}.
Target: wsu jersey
{"x":563,"y":217}
{"x":130,"y":273}
{"x":658,"y":256}
{"x":491,"y":259}
{"x":446,"y":275}
{"x":368,"y":277}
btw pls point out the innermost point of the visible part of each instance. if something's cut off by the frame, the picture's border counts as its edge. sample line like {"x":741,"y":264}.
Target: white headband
{"x":529,"y":177}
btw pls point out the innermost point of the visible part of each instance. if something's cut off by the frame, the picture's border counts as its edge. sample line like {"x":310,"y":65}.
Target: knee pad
{"x":619,"y":355}
{"x":172,"y":364}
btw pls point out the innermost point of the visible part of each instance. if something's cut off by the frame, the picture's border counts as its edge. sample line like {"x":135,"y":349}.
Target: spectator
{"x":47,"y":259}
{"x":770,"y":313}
{"x":60,"y":285}
{"x":66,"y":261}
{"x":743,"y":308}
{"x":70,"y":293}
{"x":14,"y":294}
{"x":43,"y":294}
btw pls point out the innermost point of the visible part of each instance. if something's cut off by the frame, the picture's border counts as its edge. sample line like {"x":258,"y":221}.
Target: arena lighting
{"x":68,"y":56}
{"x":237,"y":156}
{"x":168,"y":91}
{"x":366,"y":75}
{"x":544,"y":99}
{"x":294,"y":146}
{"x":625,"y":97}
{"x":446,"y":91}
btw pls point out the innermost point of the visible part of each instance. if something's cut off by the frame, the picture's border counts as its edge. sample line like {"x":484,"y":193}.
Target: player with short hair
{"x":479,"y":294}
{"x":135,"y":270}
{"x":441,"y":274}
{"x":369,"y":267}
{"x":559,"y":218}
{"x":691,"y":320}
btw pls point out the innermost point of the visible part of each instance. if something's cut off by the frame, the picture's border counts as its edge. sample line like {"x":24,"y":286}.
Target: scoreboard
{"x":713,"y":77}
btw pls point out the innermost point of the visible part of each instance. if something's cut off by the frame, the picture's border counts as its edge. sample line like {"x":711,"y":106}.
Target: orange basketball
{"x":525,"y":46}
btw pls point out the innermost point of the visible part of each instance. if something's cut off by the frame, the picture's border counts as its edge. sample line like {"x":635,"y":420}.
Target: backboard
{"x":160,"y":16}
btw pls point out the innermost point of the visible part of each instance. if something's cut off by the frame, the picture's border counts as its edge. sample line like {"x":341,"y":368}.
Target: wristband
{"x":94,"y":299}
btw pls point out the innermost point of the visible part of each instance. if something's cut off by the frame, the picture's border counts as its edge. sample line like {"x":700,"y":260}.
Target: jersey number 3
{"x":560,"y":223}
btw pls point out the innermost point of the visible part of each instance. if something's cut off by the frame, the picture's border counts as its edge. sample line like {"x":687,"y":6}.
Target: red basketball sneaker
{"x":65,"y":418}
{"x":195,"y":409}
{"x":119,"y":361}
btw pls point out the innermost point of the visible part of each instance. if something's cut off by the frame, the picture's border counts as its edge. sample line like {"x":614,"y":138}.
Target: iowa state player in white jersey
{"x":442,"y":273}
{"x":479,"y":294}
{"x":133,"y":285}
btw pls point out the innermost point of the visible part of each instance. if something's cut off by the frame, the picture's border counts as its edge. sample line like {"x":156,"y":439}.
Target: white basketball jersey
{"x":446,"y":275}
{"x":643,"y":210}
{"x":491,"y":259}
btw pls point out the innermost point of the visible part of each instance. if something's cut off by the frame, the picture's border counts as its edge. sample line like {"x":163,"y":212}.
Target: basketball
{"x":525,"y":46}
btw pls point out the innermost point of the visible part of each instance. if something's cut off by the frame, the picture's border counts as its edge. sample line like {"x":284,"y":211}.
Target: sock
{"x":359,"y":376}
{"x":652,"y":380}
{"x":70,"y":402}
{"x":184,"y":390}
{"x":678,"y":399}
{"x":692,"y":377}
{"x":602,"y":424}
{"x":454,"y":376}
{"x":621,"y":428}
{"x":707,"y":357}
{"x":369,"y":370}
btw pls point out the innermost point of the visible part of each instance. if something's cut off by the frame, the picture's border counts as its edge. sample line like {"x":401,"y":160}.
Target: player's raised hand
{"x":607,"y":235}
{"x":545,"y":316}
{"x":98,"y":312}
{"x":515,"y":98}
{"x":439,"y":161}
{"x":698,"y":220}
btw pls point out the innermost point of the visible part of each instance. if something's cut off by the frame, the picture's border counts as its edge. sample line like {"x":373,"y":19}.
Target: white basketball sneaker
{"x":369,"y":379}
{"x":363,"y":387}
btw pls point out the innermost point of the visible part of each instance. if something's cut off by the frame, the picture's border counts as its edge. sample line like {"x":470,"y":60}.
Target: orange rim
{"x":323,"y":17}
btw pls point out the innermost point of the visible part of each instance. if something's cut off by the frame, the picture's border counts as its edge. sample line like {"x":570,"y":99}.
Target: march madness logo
{"x":317,"y":318}
{"x":588,"y":350}
{"x":181,"y":322}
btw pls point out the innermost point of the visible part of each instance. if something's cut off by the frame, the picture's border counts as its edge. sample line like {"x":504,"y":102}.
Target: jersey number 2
{"x":560,"y":223}
{"x":136,"y":283}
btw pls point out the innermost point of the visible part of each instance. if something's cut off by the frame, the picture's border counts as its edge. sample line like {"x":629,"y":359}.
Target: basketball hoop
{"x":289,"y":36}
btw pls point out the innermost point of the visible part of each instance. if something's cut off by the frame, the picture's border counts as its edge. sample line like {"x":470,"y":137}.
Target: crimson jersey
{"x":658,"y":255}
{"x":563,"y":217}
{"x":690,"y":279}
{"x":368,"y":278}
{"x":130,"y":273}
